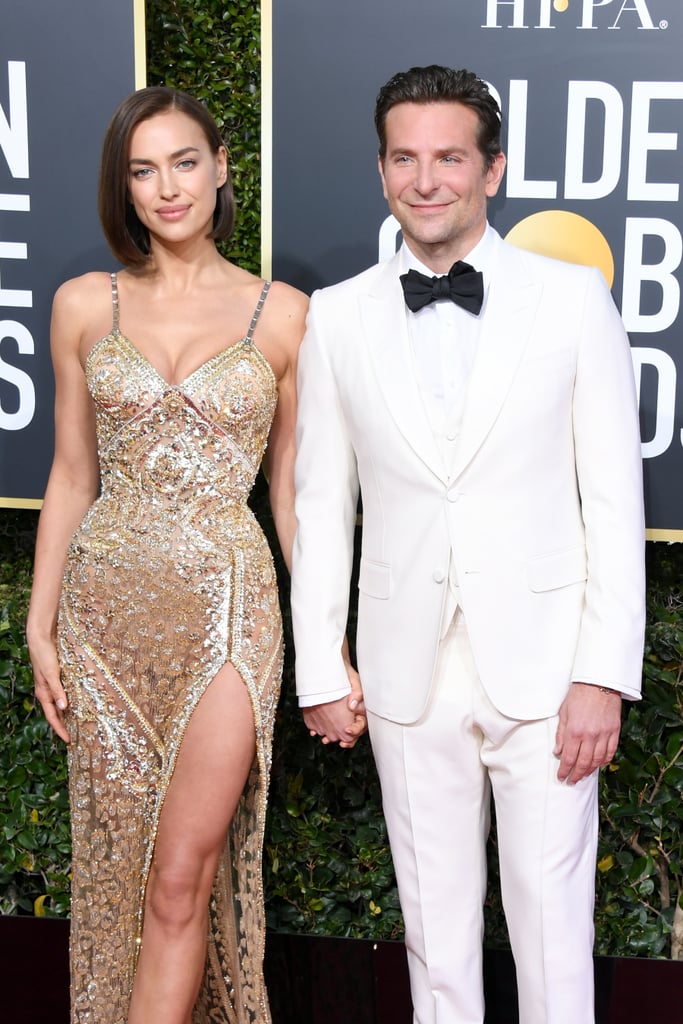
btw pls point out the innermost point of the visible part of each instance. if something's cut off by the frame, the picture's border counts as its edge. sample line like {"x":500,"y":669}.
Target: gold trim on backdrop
{"x":21,"y":502}
{"x":670,"y":535}
{"x":267,"y":139}
{"x":140,"y":50}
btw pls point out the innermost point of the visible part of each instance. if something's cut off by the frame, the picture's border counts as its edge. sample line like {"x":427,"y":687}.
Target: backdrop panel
{"x":63,"y":69}
{"x":592,"y":95}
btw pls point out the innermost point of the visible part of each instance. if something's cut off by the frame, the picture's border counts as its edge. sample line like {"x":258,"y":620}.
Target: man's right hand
{"x":336,"y":722}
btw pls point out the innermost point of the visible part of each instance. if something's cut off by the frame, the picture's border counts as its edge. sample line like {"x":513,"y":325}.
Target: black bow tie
{"x":462,"y":284}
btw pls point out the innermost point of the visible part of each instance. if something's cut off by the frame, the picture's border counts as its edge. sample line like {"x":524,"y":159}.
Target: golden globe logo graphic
{"x":587,"y":14}
{"x":564,"y":236}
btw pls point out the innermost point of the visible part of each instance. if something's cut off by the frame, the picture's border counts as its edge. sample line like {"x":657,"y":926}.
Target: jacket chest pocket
{"x":374,"y":579}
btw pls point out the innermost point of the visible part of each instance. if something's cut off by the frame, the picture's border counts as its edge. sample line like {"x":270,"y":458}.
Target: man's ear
{"x":494,"y":174}
{"x":380,"y":168}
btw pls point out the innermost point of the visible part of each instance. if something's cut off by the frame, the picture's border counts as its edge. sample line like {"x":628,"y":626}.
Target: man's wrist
{"x":309,"y":700}
{"x":601,"y":689}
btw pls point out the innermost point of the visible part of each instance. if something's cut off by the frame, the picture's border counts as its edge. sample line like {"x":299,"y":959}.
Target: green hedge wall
{"x":211,"y":48}
{"x":328,"y":867}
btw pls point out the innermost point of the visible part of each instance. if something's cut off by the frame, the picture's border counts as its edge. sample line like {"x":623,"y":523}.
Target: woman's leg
{"x":216,"y":755}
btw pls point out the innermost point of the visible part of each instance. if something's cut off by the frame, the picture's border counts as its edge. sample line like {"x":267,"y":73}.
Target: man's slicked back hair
{"x":438,"y":84}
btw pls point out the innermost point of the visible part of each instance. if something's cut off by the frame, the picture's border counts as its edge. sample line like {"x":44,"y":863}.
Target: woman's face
{"x":173,"y":176}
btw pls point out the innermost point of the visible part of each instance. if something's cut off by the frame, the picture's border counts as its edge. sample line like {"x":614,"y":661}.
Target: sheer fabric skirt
{"x":147,"y":619}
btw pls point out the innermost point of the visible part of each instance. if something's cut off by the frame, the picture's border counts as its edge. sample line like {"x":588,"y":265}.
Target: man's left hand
{"x":588,"y":731}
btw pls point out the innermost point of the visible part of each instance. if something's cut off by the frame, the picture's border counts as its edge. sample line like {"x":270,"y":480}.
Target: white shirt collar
{"x":480,"y":257}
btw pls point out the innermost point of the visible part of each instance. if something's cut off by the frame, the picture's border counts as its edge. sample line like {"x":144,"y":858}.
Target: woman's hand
{"x":48,"y":684}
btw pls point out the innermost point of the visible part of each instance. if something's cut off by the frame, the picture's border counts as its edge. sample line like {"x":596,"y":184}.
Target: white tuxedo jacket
{"x":542,"y":511}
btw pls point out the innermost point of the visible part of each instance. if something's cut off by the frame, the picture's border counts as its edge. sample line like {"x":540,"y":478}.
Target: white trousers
{"x":437,"y":776}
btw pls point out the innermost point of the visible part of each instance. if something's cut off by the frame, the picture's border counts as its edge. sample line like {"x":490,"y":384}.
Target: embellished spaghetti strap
{"x":257,"y":312}
{"x":114,"y":302}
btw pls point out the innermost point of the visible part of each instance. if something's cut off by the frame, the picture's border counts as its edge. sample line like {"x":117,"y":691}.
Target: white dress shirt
{"x":444,"y":339}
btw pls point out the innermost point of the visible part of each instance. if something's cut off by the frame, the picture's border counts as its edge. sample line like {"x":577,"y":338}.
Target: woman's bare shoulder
{"x":83,"y":294}
{"x":82,"y":311}
{"x":282,"y":325}
{"x":288,"y":303}
{"x":286,"y":293}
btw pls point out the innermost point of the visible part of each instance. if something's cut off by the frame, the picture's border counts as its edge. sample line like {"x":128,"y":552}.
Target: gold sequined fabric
{"x":168,"y":578}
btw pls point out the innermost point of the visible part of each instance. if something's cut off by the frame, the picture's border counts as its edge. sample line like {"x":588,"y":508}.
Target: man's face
{"x":435,"y":179}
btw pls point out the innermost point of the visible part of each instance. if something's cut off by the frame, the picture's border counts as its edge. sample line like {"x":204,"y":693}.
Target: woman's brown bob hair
{"x":128,"y":238}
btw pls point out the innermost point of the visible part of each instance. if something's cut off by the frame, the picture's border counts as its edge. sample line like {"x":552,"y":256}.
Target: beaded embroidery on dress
{"x":167,"y":578}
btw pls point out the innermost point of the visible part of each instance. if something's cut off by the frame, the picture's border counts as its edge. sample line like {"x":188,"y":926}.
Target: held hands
{"x":340,"y":721}
{"x":48,"y":686}
{"x":588,"y":731}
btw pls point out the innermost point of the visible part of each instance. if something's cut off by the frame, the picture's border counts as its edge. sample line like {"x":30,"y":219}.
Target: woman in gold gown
{"x":154,"y":625}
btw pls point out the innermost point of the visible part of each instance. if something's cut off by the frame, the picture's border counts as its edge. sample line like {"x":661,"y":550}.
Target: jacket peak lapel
{"x":383,"y":318}
{"x":511,"y":309}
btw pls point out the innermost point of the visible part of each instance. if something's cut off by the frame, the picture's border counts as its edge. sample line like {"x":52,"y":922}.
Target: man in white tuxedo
{"x":488,"y":415}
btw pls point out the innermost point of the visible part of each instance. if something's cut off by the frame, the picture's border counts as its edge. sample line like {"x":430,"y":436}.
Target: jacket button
{"x":453,"y":495}
{"x":439,"y":575}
